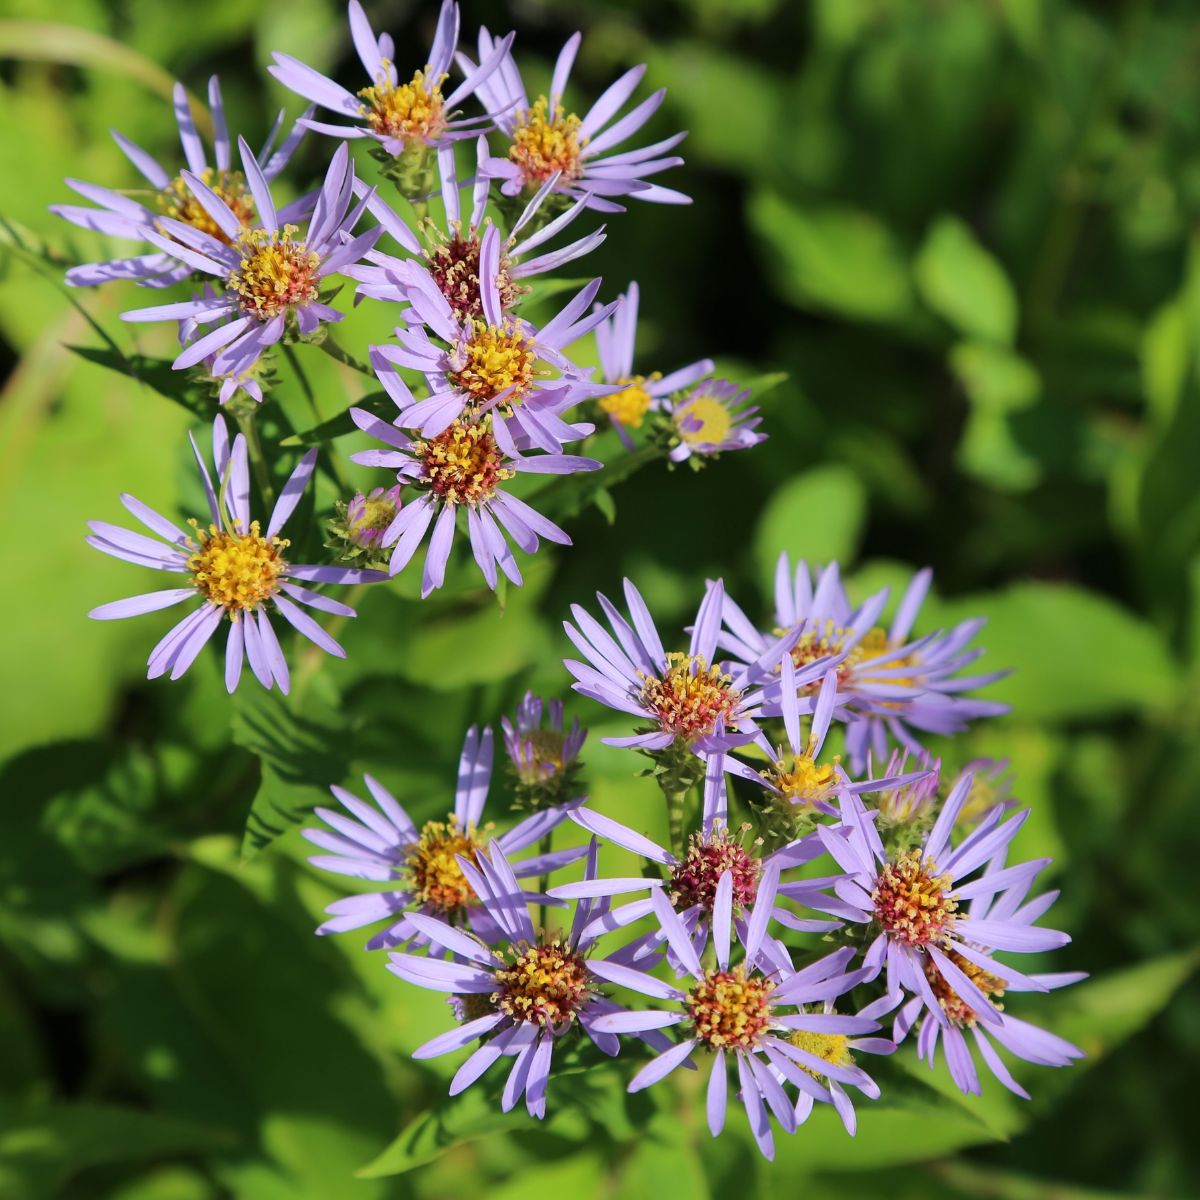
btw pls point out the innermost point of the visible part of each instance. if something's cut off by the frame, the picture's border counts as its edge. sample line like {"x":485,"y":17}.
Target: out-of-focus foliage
{"x":965,"y":231}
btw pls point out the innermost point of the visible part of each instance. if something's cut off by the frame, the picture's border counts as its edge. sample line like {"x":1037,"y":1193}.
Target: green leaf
{"x":154,"y":373}
{"x":817,"y":516}
{"x":1073,"y":653}
{"x":965,"y":284}
{"x":838,"y":260}
{"x":43,"y":1145}
{"x":300,"y":756}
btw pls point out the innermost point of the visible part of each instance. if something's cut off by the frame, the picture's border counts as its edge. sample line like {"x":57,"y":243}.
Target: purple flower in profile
{"x":451,"y":256}
{"x":543,"y":756}
{"x":734,"y":1010}
{"x":546,"y":141}
{"x":712,"y":419}
{"x":958,"y":1017}
{"x":398,"y":116}
{"x":687,"y":698}
{"x":236,"y":569}
{"x":497,"y":364}
{"x":464,"y":467}
{"x":639,"y":394}
{"x":912,"y":902}
{"x":382,"y":843}
{"x":270,"y":277}
{"x":520,"y":992}
{"x":121,"y":216}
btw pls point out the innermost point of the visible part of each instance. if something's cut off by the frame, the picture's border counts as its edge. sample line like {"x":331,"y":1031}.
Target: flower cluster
{"x":485,"y":385}
{"x":772,"y":951}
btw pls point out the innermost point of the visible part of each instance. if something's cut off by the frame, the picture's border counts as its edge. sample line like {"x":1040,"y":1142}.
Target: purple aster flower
{"x":691,"y":880}
{"x":464,"y":467}
{"x":544,"y":757}
{"x":545,"y":140}
{"x":958,"y":1017}
{"x":398,"y":116}
{"x":890,"y":683}
{"x":639,"y":394}
{"x":912,"y":900}
{"x":270,"y":277}
{"x":383,"y":844}
{"x":800,"y":788}
{"x":734,"y":1010}
{"x":523,"y":992}
{"x":121,"y":216}
{"x":711,"y":419}
{"x":497,"y":364}
{"x":687,"y":698}
{"x":235,"y":568}
{"x":451,"y":255}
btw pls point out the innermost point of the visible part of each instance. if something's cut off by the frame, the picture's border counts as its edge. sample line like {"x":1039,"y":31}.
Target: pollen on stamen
{"x":276,"y":274}
{"x":493,"y":361}
{"x":731,"y":1010}
{"x":912,"y":901}
{"x":238,"y":571}
{"x":630,"y":405}
{"x":957,"y":1010}
{"x":690,"y":696}
{"x":546,"y":984}
{"x":176,"y":201}
{"x":694,"y":879}
{"x":832,"y":1048}
{"x":453,"y":264}
{"x":802,"y":780}
{"x":545,"y":142}
{"x":463,"y":464}
{"x":434,"y":875}
{"x":406,"y":111}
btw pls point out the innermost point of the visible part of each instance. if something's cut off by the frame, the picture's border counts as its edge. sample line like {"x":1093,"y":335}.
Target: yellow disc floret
{"x":463,"y":464}
{"x":277,"y":273}
{"x":730,"y":1009}
{"x":631,"y":404}
{"x":912,"y":901}
{"x":176,"y":201}
{"x":238,"y":571}
{"x":546,"y":985}
{"x":832,"y":1048}
{"x":690,"y":696}
{"x":495,"y":360}
{"x":405,"y":111}
{"x":434,"y":876}
{"x":703,"y":421}
{"x":543,"y":143}
{"x":802,"y":779}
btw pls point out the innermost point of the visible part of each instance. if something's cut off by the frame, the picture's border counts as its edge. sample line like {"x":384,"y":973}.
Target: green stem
{"x":344,"y":356}
{"x":247,"y":423}
{"x":675,"y":806}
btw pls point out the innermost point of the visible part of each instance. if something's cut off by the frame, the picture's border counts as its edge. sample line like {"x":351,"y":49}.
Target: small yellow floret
{"x":406,"y":111}
{"x":236,"y":570}
{"x":276,"y":273}
{"x":631,"y":404}
{"x":543,"y":144}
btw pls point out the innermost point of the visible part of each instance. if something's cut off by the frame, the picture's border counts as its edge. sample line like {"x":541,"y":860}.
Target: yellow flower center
{"x":956,"y":1009}
{"x":543,"y":144}
{"x":690,"y":696}
{"x":631,"y":404}
{"x":236,"y":570}
{"x":409,"y":111}
{"x":912,"y":901}
{"x":546,"y":985}
{"x":803,"y":780}
{"x":495,"y":359}
{"x":463,"y":464}
{"x":176,"y":201}
{"x":434,"y":876}
{"x":832,"y":1048}
{"x":703,"y":421}
{"x":730,"y":1010}
{"x":276,"y":273}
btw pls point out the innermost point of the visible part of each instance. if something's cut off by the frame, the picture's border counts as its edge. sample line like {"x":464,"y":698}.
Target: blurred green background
{"x":966,"y":232}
